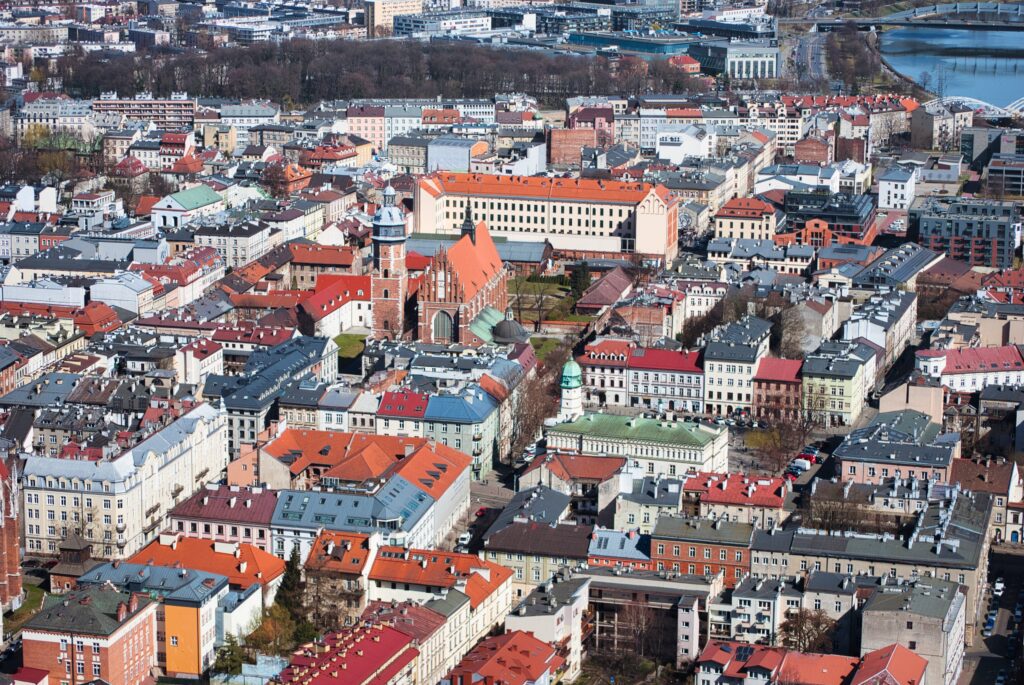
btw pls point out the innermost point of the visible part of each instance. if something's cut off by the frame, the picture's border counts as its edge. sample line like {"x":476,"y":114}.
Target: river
{"x":987,"y":65}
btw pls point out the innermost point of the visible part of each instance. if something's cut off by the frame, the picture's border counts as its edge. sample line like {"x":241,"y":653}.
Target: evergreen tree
{"x":230,"y":657}
{"x":580,"y":280}
{"x":289,"y":593}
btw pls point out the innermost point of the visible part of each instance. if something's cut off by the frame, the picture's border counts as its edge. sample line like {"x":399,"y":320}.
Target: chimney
{"x":122,"y":612}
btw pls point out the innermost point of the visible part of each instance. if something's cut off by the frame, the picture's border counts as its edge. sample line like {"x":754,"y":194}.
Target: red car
{"x":481,"y":511}
{"x":813,"y":458}
{"x":790,"y":476}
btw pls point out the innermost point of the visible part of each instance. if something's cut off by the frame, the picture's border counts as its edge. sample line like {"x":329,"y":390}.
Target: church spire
{"x":468,"y":225}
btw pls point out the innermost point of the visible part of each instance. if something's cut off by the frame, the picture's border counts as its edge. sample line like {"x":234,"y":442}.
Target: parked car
{"x":999,"y":584}
{"x":464,"y":538}
{"x":801,"y":464}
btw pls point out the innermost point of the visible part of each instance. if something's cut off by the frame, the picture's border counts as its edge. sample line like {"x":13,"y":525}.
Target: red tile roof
{"x":718,"y":488}
{"x":515,"y":658}
{"x":404,"y":404}
{"x":438,"y":568}
{"x":251,"y":565}
{"x":978,"y":359}
{"x":415,"y":620}
{"x":892,"y":665}
{"x":475,"y":264}
{"x":607,"y":352}
{"x":228,"y":504}
{"x":326,"y":255}
{"x":339,"y":552}
{"x":779,"y":370}
{"x":578,"y":467}
{"x":576,"y":189}
{"x":745,"y":208}
{"x":363,"y":655}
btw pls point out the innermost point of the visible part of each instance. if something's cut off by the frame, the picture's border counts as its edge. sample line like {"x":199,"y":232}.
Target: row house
{"x":777,"y":390}
{"x":694,"y":546}
{"x":119,"y":503}
{"x":971,"y":369}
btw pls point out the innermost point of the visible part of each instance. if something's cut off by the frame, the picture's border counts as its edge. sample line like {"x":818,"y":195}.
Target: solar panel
{"x":743,"y":653}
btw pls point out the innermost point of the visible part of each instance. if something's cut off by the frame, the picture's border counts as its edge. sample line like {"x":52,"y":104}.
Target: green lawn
{"x":350,"y":345}
{"x":530,"y":288}
{"x":33,"y":601}
{"x":544,"y":346}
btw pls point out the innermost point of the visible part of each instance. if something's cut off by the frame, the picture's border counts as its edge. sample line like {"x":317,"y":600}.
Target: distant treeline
{"x":305,"y":72}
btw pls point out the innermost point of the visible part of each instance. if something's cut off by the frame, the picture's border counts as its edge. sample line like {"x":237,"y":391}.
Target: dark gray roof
{"x":174,"y":585}
{"x":540,"y":504}
{"x":719,"y":531}
{"x":84,"y":611}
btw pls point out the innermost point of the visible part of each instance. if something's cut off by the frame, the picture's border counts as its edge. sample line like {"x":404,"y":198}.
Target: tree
{"x":531,"y":404}
{"x":275,"y":180}
{"x":638,"y":618}
{"x":230,"y":657}
{"x":808,"y":631}
{"x":289,"y":592}
{"x":793,"y":329}
{"x":580,"y":280}
{"x":276,"y":632}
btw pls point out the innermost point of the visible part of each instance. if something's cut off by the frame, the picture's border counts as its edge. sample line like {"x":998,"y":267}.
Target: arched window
{"x":444,"y":327}
{"x":385,"y":293}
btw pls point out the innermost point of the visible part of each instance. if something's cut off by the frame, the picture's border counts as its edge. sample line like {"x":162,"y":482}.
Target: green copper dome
{"x":572,"y":375}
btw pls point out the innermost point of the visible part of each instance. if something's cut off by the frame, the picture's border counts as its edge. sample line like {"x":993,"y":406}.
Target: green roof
{"x":483,"y":325}
{"x":648,"y":430}
{"x":197,"y":197}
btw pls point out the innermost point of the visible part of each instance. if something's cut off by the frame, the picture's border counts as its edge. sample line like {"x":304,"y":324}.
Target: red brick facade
{"x":701,"y":558}
{"x":125,"y":657}
{"x":565,"y":146}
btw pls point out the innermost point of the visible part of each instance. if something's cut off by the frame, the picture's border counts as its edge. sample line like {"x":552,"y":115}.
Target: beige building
{"x":948,"y":543}
{"x":581,"y":216}
{"x":731,"y":357}
{"x":120,"y":504}
{"x":380,"y":14}
{"x":746,"y":217}
{"x":837,"y":378}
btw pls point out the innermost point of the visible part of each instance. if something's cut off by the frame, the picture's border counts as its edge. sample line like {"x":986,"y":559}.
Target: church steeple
{"x":468,"y":225}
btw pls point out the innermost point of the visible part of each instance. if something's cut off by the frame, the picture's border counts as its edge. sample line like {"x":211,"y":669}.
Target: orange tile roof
{"x":340,"y":552}
{"x":437,"y":568}
{"x":475,"y":264}
{"x":251,"y":565}
{"x":816,"y":669}
{"x":745,"y":208}
{"x":516,"y":658}
{"x":328,"y":255}
{"x":558,"y":189}
{"x":573,"y":467}
{"x":892,"y":665}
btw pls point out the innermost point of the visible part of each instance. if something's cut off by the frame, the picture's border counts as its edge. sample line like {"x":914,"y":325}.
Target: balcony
{"x":120,"y":528}
{"x":477,"y":437}
{"x":152,"y":510}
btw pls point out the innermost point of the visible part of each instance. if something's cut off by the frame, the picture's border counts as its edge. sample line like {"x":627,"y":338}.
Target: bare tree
{"x":531,"y":404}
{"x":808,"y":631}
{"x":639,"y":618}
{"x":793,"y":330}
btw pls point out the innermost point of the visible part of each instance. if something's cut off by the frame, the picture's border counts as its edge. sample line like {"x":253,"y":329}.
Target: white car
{"x":464,"y":538}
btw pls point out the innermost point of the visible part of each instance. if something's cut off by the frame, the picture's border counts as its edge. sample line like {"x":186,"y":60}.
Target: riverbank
{"x":918,"y":92}
{"x":985,"y":65}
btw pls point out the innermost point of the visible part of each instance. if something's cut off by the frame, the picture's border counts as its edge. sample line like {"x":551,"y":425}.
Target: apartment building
{"x":93,"y":633}
{"x":237,"y":244}
{"x":929,"y":617}
{"x":119,"y":503}
{"x":731,"y":359}
{"x":899,"y":444}
{"x":837,"y":378}
{"x":699,"y":546}
{"x":886,"y":321}
{"x":577,"y":216}
{"x":980,"y":232}
{"x":176,"y":112}
{"x":948,"y":541}
{"x":226,"y":513}
{"x":971,"y":369}
{"x":749,"y":218}
{"x":380,"y":14}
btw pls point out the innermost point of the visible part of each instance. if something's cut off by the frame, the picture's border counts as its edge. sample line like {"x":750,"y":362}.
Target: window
{"x":910,"y":625}
{"x":174,"y":640}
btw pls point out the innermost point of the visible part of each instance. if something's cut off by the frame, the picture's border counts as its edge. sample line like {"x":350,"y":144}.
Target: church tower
{"x":572,"y":392}
{"x":388,"y":281}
